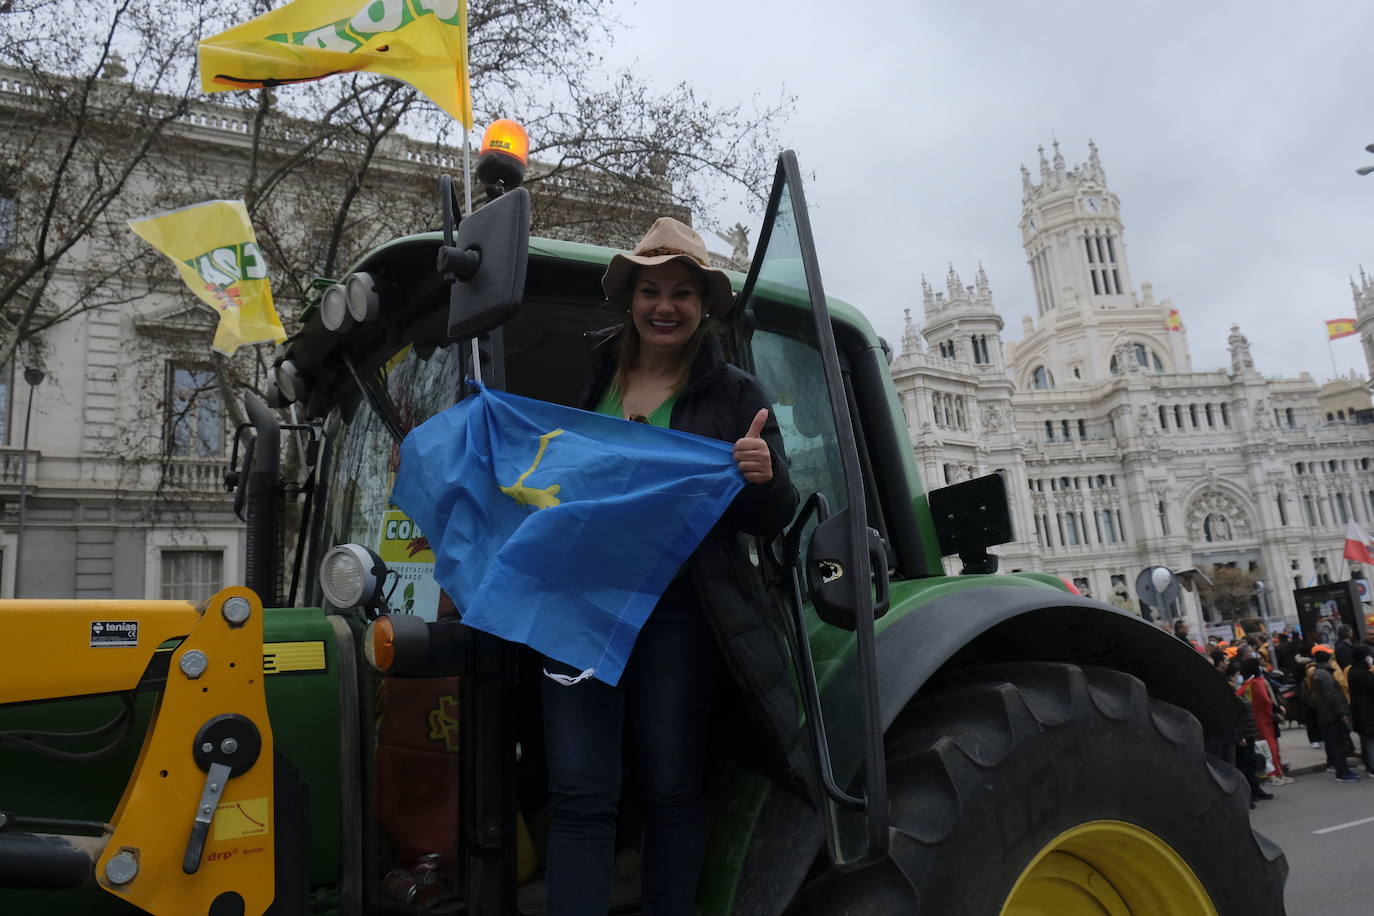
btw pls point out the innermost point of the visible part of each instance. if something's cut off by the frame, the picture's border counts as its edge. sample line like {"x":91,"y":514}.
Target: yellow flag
{"x":420,"y":42}
{"x":214,"y":248}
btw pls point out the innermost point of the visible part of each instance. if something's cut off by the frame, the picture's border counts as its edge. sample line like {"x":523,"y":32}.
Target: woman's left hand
{"x":752,"y":455}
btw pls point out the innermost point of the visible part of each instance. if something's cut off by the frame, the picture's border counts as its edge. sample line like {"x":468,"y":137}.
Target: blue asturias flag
{"x":559,"y":528}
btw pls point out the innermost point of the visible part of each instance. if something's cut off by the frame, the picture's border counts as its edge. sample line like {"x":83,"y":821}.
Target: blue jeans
{"x":662,"y":705}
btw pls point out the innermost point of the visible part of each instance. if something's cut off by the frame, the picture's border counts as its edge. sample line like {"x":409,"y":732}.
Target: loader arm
{"x":193,"y":830}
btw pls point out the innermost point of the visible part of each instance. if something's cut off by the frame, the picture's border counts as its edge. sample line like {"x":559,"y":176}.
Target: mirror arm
{"x":816,"y":505}
{"x":812,"y":700}
{"x":457,"y":263}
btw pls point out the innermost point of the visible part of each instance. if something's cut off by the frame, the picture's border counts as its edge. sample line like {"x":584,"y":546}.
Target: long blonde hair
{"x":627,"y":346}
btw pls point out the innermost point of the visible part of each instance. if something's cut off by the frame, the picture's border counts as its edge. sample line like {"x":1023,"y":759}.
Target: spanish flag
{"x":1336,"y":328}
{"x":216,"y":252}
{"x":420,"y":42}
{"x":1173,"y":322}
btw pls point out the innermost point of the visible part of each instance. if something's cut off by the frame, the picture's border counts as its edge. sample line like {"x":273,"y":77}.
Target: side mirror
{"x":486,"y":262}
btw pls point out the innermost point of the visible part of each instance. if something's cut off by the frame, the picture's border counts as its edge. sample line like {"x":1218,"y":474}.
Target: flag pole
{"x":1329,"y":349}
{"x":467,"y":201}
{"x":467,"y":185}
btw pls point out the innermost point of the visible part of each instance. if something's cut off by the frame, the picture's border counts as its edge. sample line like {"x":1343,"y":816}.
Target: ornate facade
{"x":1117,"y":453}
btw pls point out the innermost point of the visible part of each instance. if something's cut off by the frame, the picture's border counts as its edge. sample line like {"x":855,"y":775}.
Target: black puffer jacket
{"x":1361,"y":680}
{"x":719,"y":401}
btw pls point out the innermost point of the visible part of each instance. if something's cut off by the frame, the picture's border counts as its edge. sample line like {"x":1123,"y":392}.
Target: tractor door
{"x":832,"y":562}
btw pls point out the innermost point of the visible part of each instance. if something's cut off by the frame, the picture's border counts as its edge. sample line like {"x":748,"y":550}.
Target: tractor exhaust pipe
{"x":262,"y":555}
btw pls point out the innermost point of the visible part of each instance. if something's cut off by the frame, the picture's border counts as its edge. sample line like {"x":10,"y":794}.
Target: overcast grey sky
{"x":1229,"y":130}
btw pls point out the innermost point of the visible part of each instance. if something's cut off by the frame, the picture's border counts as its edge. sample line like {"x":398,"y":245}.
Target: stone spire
{"x":1058,"y":161}
{"x":974,"y":300}
{"x":1241,"y":360}
{"x":1362,"y":292}
{"x":953,"y":283}
{"x":1025,"y":182}
{"x":1094,"y":167}
{"x":911,"y":338}
{"x":1044,"y":166}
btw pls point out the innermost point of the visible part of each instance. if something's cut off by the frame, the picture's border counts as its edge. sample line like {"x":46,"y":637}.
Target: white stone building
{"x":1117,"y":453}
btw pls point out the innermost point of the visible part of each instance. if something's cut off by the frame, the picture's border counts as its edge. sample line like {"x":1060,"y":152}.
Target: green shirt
{"x":610,"y":405}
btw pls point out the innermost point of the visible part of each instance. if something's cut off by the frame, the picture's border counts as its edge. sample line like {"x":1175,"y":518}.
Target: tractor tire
{"x":1040,"y":789}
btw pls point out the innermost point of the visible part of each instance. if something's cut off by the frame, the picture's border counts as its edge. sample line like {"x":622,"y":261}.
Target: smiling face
{"x":666,"y":306}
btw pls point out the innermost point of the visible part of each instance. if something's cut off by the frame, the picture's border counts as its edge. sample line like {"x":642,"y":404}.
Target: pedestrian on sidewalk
{"x":1360,"y":677}
{"x":1255,"y":691}
{"x":1333,"y":713}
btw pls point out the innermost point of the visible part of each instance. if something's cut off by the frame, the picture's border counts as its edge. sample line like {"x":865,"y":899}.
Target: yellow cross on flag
{"x":1336,"y":328}
{"x":214,"y":248}
{"x":420,"y":42}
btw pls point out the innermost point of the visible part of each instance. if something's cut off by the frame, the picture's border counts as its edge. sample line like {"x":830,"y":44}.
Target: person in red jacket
{"x":1264,"y":707}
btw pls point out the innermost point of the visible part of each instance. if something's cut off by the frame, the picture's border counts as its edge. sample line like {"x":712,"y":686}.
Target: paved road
{"x":1326,"y":829}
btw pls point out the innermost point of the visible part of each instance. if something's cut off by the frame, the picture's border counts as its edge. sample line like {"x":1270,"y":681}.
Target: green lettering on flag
{"x":372,"y":19}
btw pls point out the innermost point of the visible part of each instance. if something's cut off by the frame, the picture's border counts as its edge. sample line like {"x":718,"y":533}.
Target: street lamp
{"x":33,"y":377}
{"x":1366,"y":169}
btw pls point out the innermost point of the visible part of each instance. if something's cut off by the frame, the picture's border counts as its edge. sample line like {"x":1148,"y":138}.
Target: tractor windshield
{"x":545,"y":356}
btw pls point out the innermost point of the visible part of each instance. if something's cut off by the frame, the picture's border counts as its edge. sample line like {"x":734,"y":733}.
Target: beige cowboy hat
{"x":668,"y":240}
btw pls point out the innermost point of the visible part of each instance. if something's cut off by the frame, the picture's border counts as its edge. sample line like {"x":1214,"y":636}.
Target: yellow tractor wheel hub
{"x":1108,"y":868}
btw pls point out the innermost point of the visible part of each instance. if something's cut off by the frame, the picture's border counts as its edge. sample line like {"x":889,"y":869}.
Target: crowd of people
{"x":1283,"y":678}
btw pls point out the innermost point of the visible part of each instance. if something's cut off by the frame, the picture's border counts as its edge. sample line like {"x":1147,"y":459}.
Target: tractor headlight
{"x":334,"y":313}
{"x":351,"y":575}
{"x":290,"y":382}
{"x":361,"y":290}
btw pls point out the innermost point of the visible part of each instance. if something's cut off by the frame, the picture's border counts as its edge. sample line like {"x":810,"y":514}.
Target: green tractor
{"x":981,"y":743}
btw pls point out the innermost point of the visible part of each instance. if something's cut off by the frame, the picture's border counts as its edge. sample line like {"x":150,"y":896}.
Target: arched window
{"x":1145,"y":358}
{"x":1216,"y":528}
{"x":1041,"y":378}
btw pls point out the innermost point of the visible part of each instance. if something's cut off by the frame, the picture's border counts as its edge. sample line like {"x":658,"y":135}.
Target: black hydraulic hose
{"x":303,"y":529}
{"x":262,"y":482}
{"x":39,"y":741}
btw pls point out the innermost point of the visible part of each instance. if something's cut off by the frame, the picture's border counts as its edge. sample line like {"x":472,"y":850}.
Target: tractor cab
{"x":528,"y":325}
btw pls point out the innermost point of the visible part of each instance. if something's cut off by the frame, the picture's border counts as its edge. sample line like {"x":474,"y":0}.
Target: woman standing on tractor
{"x":663,"y":366}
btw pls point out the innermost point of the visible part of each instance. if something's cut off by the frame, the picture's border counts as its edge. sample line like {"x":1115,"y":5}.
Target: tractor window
{"x":362,"y":468}
{"x":790,"y":369}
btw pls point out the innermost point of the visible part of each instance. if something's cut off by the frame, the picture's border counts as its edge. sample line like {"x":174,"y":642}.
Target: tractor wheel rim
{"x":1108,"y":867}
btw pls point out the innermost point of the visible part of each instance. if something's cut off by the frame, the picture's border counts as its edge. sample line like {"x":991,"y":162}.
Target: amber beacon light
{"x":503,"y":157}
